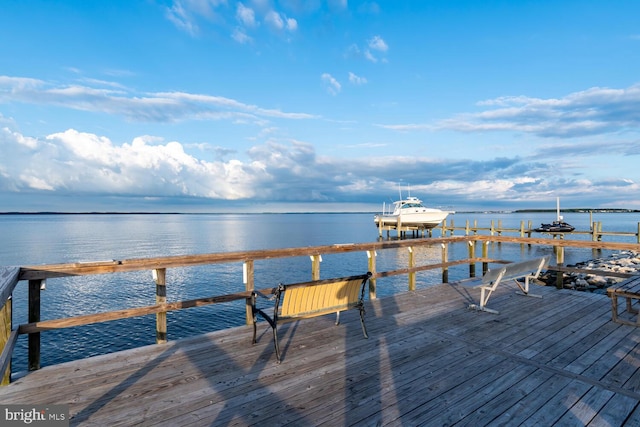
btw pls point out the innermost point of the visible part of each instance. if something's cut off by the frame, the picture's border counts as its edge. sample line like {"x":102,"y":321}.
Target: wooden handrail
{"x":40,"y":272}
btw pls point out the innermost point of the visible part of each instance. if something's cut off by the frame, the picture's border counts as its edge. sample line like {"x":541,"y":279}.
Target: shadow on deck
{"x":429,"y":361}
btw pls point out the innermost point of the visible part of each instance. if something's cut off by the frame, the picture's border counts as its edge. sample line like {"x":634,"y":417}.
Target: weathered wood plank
{"x":8,"y":281}
{"x":616,"y":412}
{"x":558,"y":405}
{"x":524,"y":409}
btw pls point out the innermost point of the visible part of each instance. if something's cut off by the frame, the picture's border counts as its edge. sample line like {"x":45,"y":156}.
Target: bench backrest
{"x":320,"y":297}
{"x":532,"y":267}
{"x":515,"y":270}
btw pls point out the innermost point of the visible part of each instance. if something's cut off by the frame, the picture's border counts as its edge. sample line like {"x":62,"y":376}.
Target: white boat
{"x":410,"y":212}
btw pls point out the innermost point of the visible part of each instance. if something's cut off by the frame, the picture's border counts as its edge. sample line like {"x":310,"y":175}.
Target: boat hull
{"x":425,"y":220}
{"x":555,"y":227}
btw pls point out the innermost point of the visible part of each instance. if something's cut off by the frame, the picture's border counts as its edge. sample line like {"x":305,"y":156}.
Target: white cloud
{"x":374,"y":51}
{"x":590,"y":112}
{"x":241,"y":37}
{"x":31,"y":143}
{"x":333,"y":86}
{"x":356,"y":80}
{"x":87,"y":163}
{"x":377,"y":43}
{"x":181,"y":18}
{"x":151,"y":107}
{"x":80,"y":163}
{"x":246,"y":16}
{"x":186,"y":14}
{"x":274,"y":20}
{"x":280,"y":22}
{"x":292,"y":24}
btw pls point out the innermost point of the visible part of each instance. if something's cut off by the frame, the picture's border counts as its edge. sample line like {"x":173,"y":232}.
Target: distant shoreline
{"x":578,"y":210}
{"x":516,"y":211}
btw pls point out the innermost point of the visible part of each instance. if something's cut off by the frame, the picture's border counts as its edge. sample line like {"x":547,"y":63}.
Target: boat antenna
{"x":558,"y":209}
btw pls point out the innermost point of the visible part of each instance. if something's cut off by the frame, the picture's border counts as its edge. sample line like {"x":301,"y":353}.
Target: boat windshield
{"x":411,"y":205}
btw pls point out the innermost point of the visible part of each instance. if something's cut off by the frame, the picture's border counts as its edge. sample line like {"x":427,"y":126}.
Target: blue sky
{"x":221,"y":105}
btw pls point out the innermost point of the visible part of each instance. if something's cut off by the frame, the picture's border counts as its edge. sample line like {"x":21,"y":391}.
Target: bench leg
{"x":483,"y":308}
{"x":364,"y":328}
{"x":485,"y":293}
{"x":275,"y":343}
{"x":614,"y":311}
{"x":271,"y":322}
{"x":524,"y":290}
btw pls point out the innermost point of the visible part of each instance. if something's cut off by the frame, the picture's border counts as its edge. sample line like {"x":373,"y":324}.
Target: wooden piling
{"x":371,"y":262}
{"x":559,"y":262}
{"x":160,"y":277}
{"x":34,"y":316}
{"x":472,"y":265}
{"x":249,"y":285}
{"x":445,"y":259}
{"x":412,"y":274}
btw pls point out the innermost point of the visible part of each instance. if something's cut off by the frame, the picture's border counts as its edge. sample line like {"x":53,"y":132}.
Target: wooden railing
{"x":37,"y":275}
{"x":596,"y":231}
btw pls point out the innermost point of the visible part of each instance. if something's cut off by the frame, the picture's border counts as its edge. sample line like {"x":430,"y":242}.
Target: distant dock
{"x":495,"y":228}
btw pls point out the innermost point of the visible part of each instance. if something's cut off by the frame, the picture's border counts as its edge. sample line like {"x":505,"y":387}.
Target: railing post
{"x":445,"y":259}
{"x":485,"y":255}
{"x":599,"y":231}
{"x":160,"y":277}
{"x":34,"y":316}
{"x":5,"y":332}
{"x":315,"y":266}
{"x":472,"y":265}
{"x":249,"y":285}
{"x":412,"y":274}
{"x":371,"y":255}
{"x":8,"y":281}
{"x":559,"y":262}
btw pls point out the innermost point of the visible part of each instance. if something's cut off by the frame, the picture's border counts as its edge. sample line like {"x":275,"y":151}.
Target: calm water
{"x":45,"y":239}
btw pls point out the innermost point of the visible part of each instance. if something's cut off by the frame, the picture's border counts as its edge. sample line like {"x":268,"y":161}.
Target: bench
{"x":311,"y":299}
{"x":629,"y":290}
{"x":527,"y":270}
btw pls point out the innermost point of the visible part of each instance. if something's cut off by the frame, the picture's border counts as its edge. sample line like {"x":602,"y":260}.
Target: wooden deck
{"x":429,"y":361}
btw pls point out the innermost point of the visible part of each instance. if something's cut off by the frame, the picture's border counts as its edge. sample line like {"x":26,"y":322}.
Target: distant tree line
{"x":612,"y":210}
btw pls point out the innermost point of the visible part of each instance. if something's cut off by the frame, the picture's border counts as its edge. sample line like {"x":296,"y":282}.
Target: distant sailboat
{"x":557,"y":226}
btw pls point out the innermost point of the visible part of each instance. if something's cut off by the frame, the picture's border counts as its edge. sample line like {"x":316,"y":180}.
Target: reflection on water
{"x":47,"y":239}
